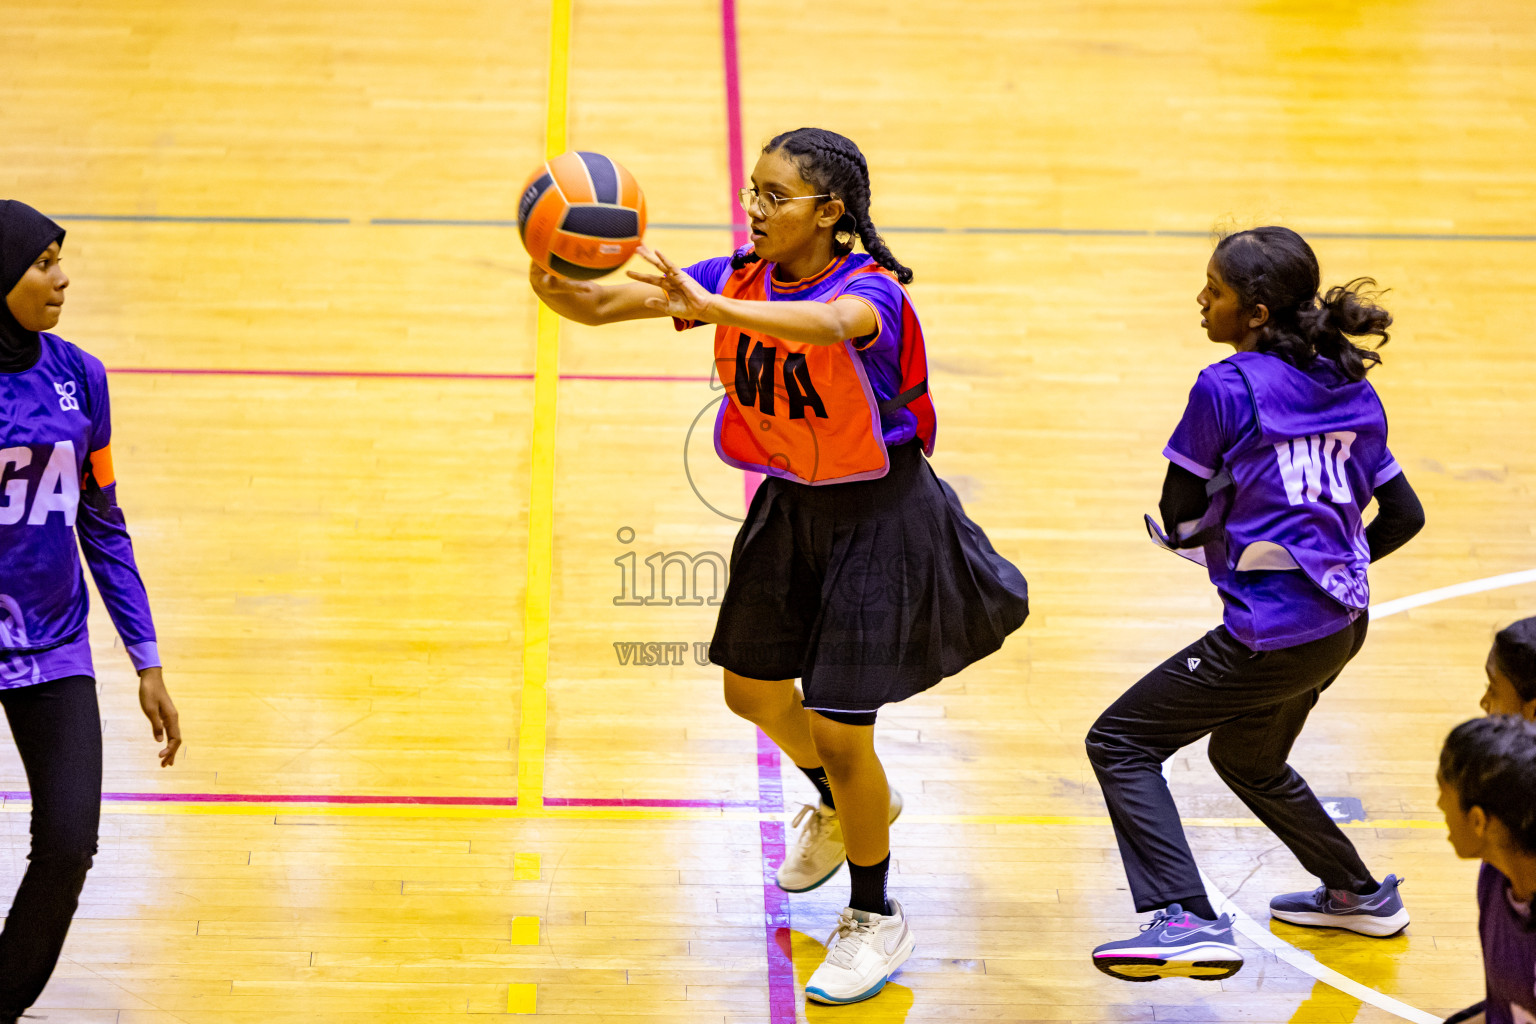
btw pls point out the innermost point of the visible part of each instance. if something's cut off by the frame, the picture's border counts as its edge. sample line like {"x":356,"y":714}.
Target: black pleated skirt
{"x":868,"y":592}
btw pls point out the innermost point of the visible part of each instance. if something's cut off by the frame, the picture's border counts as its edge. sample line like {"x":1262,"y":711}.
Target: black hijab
{"x":24,"y":235}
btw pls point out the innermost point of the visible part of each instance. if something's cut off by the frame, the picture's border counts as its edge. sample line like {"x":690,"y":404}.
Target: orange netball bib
{"x":807,"y":412}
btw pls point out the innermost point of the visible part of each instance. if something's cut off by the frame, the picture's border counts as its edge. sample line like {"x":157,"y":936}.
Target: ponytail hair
{"x":831,"y":163}
{"x":1514,"y":649}
{"x":1276,"y":268}
{"x":1491,"y":763}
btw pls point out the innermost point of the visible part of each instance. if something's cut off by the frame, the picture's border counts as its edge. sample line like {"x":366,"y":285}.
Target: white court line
{"x":1303,"y":961}
{"x":1403,"y":604}
{"x":1307,"y":964}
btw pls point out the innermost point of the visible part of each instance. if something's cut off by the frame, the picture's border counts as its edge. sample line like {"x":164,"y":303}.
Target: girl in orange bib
{"x":856,"y":570}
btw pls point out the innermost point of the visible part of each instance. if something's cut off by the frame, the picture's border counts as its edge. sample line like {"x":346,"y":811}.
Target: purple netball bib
{"x":1299,"y":487}
{"x":1509,"y":951}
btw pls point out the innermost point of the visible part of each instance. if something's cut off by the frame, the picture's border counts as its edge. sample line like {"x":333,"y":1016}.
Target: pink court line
{"x":770,"y":787}
{"x":190,"y":371}
{"x":777,"y":936}
{"x":582,"y":801}
{"x":734,"y":149}
{"x":366,"y":799}
{"x":287,"y":798}
{"x":736,"y":161}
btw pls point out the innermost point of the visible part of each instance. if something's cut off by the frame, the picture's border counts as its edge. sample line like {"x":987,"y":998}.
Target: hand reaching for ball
{"x":684,"y":297}
{"x":544,"y":283}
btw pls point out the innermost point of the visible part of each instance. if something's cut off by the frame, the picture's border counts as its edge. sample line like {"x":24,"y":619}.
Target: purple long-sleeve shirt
{"x":1509,"y":950}
{"x":57,"y":485}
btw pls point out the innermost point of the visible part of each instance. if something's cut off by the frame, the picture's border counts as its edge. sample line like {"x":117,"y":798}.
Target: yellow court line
{"x":522,"y":998}
{"x":1086,"y":820}
{"x":525,"y":931}
{"x":527,"y":867}
{"x":559,"y":77}
{"x":532,"y":731}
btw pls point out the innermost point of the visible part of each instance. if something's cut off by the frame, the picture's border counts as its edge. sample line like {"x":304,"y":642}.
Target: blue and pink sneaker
{"x":1176,"y":944}
{"x":1378,"y":915}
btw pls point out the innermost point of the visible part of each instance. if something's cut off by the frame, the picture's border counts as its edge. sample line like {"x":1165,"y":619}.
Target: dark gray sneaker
{"x":1175,"y":944}
{"x":1379,"y":915}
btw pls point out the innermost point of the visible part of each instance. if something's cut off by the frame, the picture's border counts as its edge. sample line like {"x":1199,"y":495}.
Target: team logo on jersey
{"x":1306,"y":463}
{"x":67,"y":400}
{"x":1193,"y":663}
{"x":17,"y":669}
{"x":1347,"y":584}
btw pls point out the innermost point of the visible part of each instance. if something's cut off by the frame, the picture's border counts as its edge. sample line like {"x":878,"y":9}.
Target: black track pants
{"x":1253,"y":704}
{"x":58,"y":733}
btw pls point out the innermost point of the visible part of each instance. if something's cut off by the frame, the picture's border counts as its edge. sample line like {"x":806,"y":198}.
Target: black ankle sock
{"x":1370,"y":888}
{"x":818,"y":777}
{"x":1200,"y":906}
{"x":869,"y":886}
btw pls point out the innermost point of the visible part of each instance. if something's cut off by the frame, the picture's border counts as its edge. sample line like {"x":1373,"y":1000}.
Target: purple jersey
{"x":1509,"y":950}
{"x":56,"y":483}
{"x":880,"y":352}
{"x":1305,"y":450}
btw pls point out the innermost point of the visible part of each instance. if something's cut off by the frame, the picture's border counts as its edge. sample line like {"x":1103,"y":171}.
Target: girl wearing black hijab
{"x":58,"y":496}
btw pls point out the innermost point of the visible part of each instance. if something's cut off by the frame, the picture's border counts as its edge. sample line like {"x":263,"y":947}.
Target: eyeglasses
{"x":767,"y":201}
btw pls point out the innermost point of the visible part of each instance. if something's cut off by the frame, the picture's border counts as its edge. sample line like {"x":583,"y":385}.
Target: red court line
{"x":387,"y":799}
{"x":734,"y":151}
{"x":770,"y":788}
{"x":777,"y":939}
{"x":192,"y":371}
{"x":736,"y":162}
{"x":288,"y":798}
{"x":582,"y":801}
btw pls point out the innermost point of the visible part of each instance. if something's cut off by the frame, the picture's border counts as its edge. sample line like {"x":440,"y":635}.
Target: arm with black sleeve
{"x":1184,"y":499}
{"x":1399,"y":514}
{"x":1471,"y":1015}
{"x":1399,"y":517}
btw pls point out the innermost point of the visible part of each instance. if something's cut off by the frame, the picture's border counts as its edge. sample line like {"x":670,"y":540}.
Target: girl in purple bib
{"x":57,"y":491}
{"x":1511,"y":669}
{"x":1508,"y":876}
{"x":1278,"y":453}
{"x":1487,"y":774}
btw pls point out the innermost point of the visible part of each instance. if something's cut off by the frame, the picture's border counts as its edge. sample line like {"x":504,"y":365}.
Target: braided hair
{"x":1275,"y":267}
{"x":831,"y":163}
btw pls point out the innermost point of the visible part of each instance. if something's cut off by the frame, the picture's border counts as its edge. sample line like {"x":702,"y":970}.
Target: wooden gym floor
{"x":288,"y":237}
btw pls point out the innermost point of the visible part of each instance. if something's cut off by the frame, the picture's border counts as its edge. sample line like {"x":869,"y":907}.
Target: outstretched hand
{"x":546,"y":285}
{"x":685,"y":298}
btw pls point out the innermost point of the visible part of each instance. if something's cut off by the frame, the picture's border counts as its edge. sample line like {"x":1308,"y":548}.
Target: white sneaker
{"x":815,"y":850}
{"x":865,"y":951}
